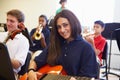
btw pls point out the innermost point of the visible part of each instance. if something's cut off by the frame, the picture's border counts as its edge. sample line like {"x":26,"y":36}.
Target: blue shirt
{"x":36,"y":43}
{"x":78,"y":58}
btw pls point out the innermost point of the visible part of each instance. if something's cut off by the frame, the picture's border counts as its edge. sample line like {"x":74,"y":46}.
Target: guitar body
{"x":46,"y":69}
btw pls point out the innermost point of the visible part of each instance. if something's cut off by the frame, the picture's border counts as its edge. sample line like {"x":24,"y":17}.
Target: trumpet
{"x":37,"y":34}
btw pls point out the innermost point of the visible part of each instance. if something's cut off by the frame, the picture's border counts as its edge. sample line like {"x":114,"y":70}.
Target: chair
{"x":24,"y":68}
{"x":104,"y":57}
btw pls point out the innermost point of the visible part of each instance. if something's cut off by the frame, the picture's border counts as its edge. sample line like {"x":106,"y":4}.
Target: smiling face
{"x":12,"y":23}
{"x":64,"y":28}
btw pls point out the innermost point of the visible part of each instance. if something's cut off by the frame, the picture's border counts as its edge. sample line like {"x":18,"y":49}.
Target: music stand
{"x":117,"y":33}
{"x":6,"y":69}
{"x":109,"y":33}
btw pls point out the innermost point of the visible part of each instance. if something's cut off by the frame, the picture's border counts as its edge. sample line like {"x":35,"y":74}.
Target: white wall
{"x":31,"y":8}
{"x":117,"y":11}
{"x":89,"y":11}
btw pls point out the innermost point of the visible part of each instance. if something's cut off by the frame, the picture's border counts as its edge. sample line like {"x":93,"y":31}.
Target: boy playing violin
{"x":18,"y":47}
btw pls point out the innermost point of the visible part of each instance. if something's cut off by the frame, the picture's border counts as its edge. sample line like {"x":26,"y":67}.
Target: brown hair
{"x":18,"y":14}
{"x":54,"y":49}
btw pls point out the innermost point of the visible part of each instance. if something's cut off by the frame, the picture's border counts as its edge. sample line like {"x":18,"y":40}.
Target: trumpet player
{"x":40,"y":34}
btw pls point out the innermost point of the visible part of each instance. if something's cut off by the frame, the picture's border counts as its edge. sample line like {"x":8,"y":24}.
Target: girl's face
{"x":64,"y":28}
{"x":42,"y":21}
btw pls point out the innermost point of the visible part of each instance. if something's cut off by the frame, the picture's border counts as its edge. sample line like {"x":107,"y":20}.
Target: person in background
{"x":62,"y":3}
{"x":40,"y":38}
{"x":97,"y":40}
{"x":17,"y":43}
{"x":66,"y":48}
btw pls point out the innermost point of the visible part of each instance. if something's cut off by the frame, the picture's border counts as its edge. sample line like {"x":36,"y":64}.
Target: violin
{"x":21,"y":27}
{"x":14,"y":33}
{"x":11,"y":35}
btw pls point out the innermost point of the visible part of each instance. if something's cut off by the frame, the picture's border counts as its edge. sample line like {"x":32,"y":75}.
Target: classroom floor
{"x":110,"y":76}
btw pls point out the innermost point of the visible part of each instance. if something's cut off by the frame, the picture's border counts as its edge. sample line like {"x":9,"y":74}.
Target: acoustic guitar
{"x":46,"y":70}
